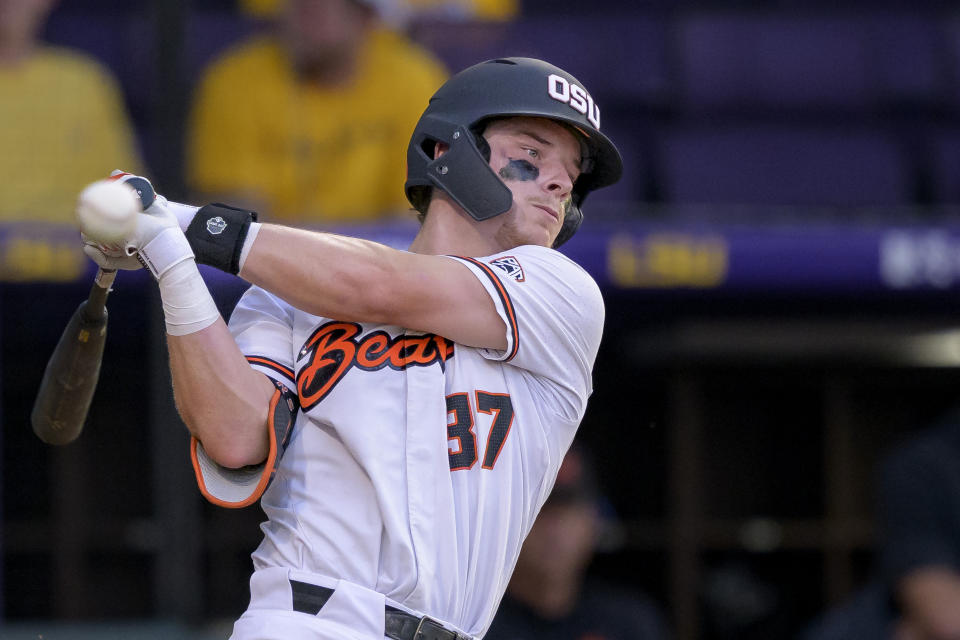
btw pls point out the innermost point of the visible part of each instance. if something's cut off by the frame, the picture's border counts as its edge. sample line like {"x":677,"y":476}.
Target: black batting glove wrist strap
{"x":216,"y":235}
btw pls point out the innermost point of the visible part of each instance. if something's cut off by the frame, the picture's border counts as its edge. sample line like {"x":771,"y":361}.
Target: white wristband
{"x":183,"y":212}
{"x":188,"y":306}
{"x":252,"y":232}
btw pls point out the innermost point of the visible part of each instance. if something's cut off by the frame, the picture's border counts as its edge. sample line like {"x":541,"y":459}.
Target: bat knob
{"x":141,"y":185}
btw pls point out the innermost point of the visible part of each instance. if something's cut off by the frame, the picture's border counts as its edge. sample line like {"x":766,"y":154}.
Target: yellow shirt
{"x":63,"y":124}
{"x":310,"y":154}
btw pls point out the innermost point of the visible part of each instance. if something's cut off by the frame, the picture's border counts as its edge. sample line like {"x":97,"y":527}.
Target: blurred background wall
{"x":780,"y":265}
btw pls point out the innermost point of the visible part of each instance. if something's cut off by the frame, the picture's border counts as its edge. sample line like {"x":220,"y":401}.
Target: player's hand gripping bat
{"x":62,"y":403}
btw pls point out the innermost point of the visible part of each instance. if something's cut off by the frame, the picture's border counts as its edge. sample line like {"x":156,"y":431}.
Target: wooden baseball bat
{"x":60,"y":409}
{"x":66,"y":390}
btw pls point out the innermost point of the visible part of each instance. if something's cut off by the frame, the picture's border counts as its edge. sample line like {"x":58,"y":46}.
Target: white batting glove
{"x":157,"y":240}
{"x":160,"y":244}
{"x":106,"y":257}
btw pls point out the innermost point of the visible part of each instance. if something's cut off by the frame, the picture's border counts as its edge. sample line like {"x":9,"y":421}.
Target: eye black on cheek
{"x":520,"y":170}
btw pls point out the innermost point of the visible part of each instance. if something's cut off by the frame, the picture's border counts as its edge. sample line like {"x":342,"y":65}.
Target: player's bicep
{"x":442,"y":296}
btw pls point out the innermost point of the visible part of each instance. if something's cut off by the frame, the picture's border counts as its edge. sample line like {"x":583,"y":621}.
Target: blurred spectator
{"x":550,"y":595}
{"x":920,"y":519}
{"x":916,"y":592}
{"x":412,"y":9}
{"x":63,"y":122}
{"x":311,"y":122}
{"x":866,"y":615}
{"x":497,"y":10}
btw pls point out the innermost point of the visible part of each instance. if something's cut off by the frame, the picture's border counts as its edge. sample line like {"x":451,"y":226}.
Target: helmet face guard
{"x":463,"y":171}
{"x":503,"y":88}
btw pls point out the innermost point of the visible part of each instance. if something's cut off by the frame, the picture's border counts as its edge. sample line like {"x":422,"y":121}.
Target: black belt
{"x":398,"y":624}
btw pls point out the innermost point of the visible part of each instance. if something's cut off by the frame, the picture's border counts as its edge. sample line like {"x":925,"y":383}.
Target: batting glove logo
{"x":215,"y":226}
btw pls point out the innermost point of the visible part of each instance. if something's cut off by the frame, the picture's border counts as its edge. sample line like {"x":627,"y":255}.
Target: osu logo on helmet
{"x":574,"y":95}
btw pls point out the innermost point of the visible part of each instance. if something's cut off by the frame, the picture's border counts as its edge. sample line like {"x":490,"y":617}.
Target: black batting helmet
{"x":505,"y":87}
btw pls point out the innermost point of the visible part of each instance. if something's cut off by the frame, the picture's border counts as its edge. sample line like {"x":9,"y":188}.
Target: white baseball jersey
{"x":417,"y":466}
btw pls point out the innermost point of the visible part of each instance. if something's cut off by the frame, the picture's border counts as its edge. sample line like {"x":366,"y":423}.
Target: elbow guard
{"x":237,"y":488}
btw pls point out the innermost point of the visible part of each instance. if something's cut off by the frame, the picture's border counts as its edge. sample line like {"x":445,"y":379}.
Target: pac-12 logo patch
{"x":511,"y":266}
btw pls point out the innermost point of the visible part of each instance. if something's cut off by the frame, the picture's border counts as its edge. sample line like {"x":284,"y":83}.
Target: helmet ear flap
{"x":482,"y":145}
{"x":464,"y":174}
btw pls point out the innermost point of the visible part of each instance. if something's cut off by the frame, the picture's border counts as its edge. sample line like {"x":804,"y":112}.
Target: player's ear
{"x":439,"y":149}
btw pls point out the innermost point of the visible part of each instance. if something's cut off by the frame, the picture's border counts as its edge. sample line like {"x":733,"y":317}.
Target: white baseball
{"x":107,"y":211}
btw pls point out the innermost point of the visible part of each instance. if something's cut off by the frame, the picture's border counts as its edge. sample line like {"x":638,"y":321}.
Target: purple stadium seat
{"x":803,"y":61}
{"x":620,"y":58}
{"x":908,"y":64}
{"x":630,"y":188}
{"x":210,"y":33}
{"x":944,"y":154}
{"x":951,"y":37}
{"x":121,"y":41}
{"x":127,"y":44}
{"x":775,"y":165}
{"x":459,"y":44}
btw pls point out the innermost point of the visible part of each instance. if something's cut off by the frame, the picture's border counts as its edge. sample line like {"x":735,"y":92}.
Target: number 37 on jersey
{"x":462,"y":418}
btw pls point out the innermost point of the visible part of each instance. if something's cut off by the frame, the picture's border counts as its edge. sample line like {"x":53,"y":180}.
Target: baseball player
{"x":400,"y":415}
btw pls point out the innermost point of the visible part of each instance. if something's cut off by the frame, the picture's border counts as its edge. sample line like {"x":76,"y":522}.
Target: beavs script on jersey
{"x":334,"y":348}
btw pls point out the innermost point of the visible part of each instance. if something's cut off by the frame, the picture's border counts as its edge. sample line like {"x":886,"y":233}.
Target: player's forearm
{"x":356,"y":280}
{"x":326,"y":274}
{"x":222,"y":400}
